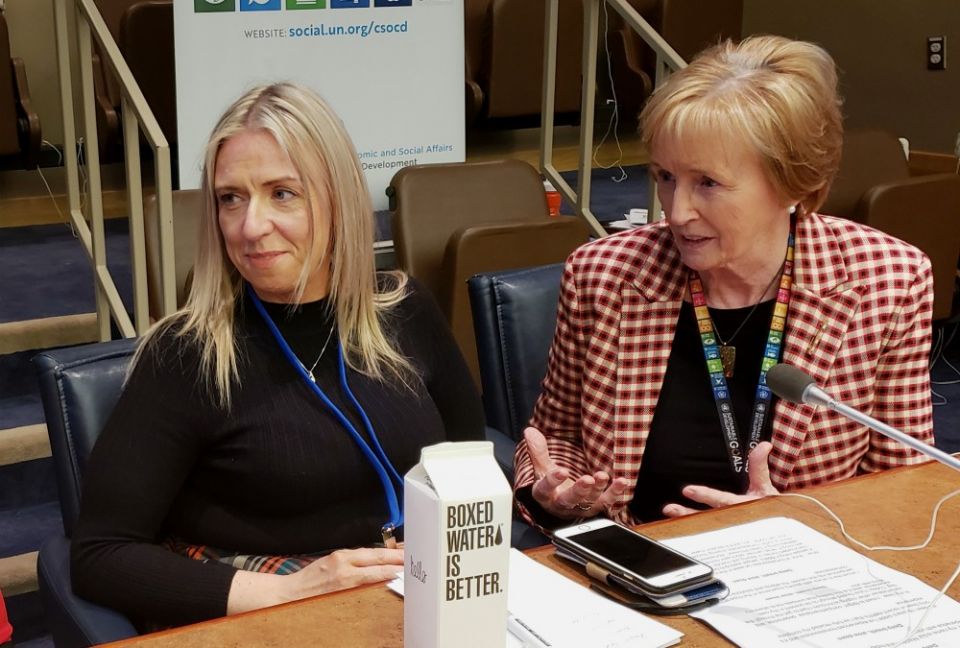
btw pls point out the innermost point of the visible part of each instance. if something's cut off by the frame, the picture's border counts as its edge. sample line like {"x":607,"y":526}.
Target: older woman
{"x":257,"y":451}
{"x":656,"y":388}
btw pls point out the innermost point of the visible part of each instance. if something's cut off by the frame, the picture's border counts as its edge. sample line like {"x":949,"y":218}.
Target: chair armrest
{"x":30,"y":132}
{"x":503,"y":450}
{"x":72,"y":620}
{"x":108,"y":119}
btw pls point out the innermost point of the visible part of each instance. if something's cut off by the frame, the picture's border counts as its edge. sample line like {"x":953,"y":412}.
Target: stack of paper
{"x":552,"y":611}
{"x":792,"y":586}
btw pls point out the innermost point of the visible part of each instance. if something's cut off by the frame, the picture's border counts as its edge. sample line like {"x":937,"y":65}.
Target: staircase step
{"x":19,"y":410}
{"x":25,"y":529}
{"x":26,"y":484}
{"x":48,"y":332}
{"x":24,"y":443}
{"x":18,"y":574}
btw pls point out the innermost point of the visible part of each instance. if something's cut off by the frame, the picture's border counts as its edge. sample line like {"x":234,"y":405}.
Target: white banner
{"x":392,"y":70}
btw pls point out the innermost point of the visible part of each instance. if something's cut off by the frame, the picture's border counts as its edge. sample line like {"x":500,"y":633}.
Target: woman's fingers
{"x":547,"y":489}
{"x":538,"y":451}
{"x":584,"y":492}
{"x":374,"y":556}
{"x":677,"y":510}
{"x":712,"y":497}
{"x":759,"y":465}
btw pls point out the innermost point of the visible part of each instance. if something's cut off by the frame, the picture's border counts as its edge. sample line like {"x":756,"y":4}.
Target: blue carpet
{"x":946,"y":393}
{"x":25,"y":529}
{"x":45,"y":272}
{"x":25,"y":484}
{"x":610,"y":197}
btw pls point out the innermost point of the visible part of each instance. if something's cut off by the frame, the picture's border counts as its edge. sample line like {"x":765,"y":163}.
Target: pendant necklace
{"x":728,"y":352}
{"x":322,"y":351}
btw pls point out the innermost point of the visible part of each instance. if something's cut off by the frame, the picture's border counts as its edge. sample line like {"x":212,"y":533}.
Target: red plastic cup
{"x":553,"y":198}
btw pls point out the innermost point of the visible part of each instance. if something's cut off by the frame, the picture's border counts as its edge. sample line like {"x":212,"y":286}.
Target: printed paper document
{"x":565,"y":614}
{"x":792,"y":586}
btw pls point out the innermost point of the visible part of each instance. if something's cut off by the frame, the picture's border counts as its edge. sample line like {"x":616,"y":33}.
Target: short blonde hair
{"x":772,"y":93}
{"x":314,"y":138}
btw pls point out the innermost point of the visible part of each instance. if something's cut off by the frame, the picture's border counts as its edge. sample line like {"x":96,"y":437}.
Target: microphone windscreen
{"x":788,"y":382}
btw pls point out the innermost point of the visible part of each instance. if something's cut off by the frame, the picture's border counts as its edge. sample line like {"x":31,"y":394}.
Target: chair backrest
{"x":514,"y":77}
{"x":498,"y":247}
{"x":870,"y":157}
{"x":434,"y":201}
{"x":79,"y":387}
{"x":187,"y":214}
{"x":146,"y":40}
{"x":874,"y":187}
{"x":515,"y":314}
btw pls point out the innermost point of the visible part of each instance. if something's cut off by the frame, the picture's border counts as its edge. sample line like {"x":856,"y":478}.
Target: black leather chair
{"x":79,"y":387}
{"x":514,"y":315}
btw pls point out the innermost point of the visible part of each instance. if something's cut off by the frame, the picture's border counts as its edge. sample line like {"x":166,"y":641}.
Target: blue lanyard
{"x":376,"y":456}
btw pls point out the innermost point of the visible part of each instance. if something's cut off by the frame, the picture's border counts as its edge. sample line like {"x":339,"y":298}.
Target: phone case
{"x":614,"y":588}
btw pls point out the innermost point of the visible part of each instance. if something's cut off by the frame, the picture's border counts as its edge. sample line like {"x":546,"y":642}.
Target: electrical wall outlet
{"x":936,"y":52}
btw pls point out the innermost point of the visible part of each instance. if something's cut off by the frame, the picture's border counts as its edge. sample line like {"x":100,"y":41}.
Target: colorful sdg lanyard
{"x":771,"y":355}
{"x":376,"y":456}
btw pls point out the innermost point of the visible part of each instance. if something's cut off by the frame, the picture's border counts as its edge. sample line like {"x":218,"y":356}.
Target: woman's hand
{"x":336,"y":571}
{"x":346,"y":568}
{"x":759,"y":486}
{"x":562,"y":496}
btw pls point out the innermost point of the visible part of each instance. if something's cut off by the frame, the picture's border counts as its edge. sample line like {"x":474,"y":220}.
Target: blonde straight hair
{"x":314,"y":138}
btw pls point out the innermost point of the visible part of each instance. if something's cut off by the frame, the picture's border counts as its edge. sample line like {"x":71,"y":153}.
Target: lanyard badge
{"x":718,"y":373}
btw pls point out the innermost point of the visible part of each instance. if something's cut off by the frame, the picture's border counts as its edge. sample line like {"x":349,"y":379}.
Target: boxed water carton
{"x":457,"y":514}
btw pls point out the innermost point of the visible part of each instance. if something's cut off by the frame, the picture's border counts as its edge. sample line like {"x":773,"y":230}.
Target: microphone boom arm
{"x":816,"y":396}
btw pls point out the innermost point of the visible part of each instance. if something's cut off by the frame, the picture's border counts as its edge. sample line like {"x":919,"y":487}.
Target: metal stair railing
{"x":667,"y":61}
{"x":136,"y":116}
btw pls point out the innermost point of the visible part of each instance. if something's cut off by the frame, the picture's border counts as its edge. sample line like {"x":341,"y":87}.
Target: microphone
{"x":791,"y":384}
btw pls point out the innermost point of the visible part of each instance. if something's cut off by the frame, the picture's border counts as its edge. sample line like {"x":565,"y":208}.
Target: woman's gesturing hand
{"x":336,"y":571}
{"x":562,"y":496}
{"x":759,"y":486}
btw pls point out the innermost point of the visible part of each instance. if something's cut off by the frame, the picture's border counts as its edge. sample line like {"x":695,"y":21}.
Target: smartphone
{"x":651,"y":567}
{"x":715,"y":589}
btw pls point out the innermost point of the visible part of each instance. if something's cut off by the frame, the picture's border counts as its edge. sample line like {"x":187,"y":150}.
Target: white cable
{"x":614,"y":122}
{"x":933,"y":525}
{"x":46,"y":184}
{"x":55,"y":148}
{"x":52,"y":197}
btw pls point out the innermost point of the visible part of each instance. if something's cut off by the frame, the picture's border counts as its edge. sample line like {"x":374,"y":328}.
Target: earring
{"x":792,"y":210}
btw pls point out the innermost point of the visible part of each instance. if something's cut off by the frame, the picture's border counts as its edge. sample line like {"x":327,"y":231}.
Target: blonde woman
{"x":655,"y":392}
{"x":256,"y":454}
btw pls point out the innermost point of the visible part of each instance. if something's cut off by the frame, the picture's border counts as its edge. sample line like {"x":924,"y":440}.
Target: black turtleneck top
{"x":276,"y":474}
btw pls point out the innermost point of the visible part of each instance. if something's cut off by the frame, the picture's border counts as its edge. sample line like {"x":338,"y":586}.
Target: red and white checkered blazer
{"x":859,"y":323}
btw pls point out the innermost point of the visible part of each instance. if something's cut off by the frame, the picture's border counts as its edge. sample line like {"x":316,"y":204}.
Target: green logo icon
{"x":306,"y":4}
{"x":206,"y":6}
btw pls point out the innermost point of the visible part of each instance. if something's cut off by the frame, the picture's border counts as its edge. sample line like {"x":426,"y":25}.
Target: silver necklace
{"x":322,"y":351}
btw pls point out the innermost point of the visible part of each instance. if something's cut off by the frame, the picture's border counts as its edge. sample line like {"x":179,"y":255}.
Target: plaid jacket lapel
{"x":650,"y":303}
{"x":822,"y":307}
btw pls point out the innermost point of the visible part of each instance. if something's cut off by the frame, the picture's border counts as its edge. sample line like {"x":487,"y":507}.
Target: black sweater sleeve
{"x":136,"y":470}
{"x":425,"y":335}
